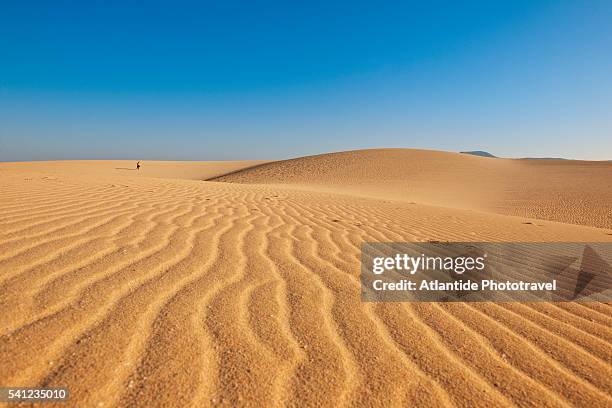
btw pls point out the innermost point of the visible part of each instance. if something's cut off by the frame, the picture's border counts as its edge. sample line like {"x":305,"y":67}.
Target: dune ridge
{"x":576,"y":192}
{"x":145,"y":291}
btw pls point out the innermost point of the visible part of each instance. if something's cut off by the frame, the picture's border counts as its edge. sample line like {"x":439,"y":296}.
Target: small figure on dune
{"x":138,"y":166}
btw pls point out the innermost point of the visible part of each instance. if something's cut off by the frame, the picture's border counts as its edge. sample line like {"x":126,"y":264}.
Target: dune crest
{"x":576,"y":192}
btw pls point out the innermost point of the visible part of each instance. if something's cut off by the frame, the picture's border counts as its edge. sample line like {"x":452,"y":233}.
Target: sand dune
{"x":135,"y":290}
{"x":575,"y":192}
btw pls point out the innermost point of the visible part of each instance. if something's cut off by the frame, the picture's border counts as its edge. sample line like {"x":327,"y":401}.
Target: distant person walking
{"x":138,"y":166}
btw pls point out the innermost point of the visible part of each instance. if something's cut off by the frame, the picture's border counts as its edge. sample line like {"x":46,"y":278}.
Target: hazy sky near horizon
{"x":270,"y":80}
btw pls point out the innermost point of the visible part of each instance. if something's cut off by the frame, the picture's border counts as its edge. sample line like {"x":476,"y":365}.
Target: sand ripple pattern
{"x":163,"y":293}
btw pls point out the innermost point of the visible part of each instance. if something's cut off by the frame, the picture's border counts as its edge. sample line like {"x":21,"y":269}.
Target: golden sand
{"x":154,"y":288}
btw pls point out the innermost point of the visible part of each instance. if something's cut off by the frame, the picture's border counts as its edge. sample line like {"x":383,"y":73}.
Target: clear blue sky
{"x":267,"y":80}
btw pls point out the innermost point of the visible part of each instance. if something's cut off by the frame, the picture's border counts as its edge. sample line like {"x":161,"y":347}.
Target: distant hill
{"x":482,"y":153}
{"x":544,"y":158}
{"x":479,"y":153}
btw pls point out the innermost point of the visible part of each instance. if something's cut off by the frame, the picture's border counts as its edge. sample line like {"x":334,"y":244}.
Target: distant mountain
{"x":544,"y":158}
{"x":482,"y":153}
{"x":479,"y":153}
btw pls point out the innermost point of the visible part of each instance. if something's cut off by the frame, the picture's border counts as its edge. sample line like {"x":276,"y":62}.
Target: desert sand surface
{"x":151,"y":289}
{"x":570,"y":191}
{"x":190,"y":170}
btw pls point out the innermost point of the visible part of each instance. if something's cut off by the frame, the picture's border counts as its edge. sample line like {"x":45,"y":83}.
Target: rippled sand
{"x":153,"y":288}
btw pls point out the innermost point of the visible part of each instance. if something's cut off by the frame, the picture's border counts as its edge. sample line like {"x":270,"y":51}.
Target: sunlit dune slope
{"x":577,"y":192}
